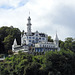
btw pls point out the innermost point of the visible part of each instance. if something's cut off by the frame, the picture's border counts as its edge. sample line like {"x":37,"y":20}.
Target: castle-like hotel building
{"x":35,"y":41}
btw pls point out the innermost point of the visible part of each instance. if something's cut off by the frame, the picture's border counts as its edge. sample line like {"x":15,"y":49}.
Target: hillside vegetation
{"x":52,"y":63}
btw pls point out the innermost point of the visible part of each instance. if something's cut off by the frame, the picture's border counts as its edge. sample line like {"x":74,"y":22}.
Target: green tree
{"x":3,"y":32}
{"x":69,"y":44}
{"x":73,"y":46}
{"x":61,"y":62}
{"x":8,"y":42}
{"x":8,"y":34}
{"x":16,"y":33}
{"x":50,"y":39}
{"x":33,"y":69}
{"x":2,"y":50}
{"x":61,"y":44}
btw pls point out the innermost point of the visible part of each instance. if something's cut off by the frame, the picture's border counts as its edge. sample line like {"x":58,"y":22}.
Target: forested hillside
{"x":52,"y":63}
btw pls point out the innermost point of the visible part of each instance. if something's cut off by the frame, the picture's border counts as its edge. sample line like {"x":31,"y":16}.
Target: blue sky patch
{"x":23,"y":2}
{"x":6,"y":7}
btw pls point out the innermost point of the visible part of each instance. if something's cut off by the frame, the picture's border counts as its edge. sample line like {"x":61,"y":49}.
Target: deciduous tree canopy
{"x":7,"y":35}
{"x":52,"y":63}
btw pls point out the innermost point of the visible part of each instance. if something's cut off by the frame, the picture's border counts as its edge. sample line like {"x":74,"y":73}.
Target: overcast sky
{"x":47,"y":16}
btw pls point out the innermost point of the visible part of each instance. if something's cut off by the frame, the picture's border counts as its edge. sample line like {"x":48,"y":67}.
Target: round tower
{"x":29,"y":26}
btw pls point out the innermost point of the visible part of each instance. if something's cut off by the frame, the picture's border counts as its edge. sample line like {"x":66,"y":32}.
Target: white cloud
{"x":12,"y":3}
{"x":47,"y":15}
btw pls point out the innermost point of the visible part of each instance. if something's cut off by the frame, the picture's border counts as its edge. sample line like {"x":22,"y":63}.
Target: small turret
{"x":15,"y":42}
{"x":56,"y":41}
{"x":14,"y":45}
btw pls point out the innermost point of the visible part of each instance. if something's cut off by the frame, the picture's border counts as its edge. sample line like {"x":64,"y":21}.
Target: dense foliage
{"x":69,"y":43}
{"x":52,"y":63}
{"x":7,"y":36}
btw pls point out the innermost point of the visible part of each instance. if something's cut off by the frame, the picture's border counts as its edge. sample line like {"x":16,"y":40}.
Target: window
{"x":43,"y":38}
{"x":33,"y":37}
{"x":43,"y":45}
{"x":29,"y":40}
{"x":33,"y":41}
{"x":40,"y":38}
{"x":36,"y":38}
{"x":29,"y":28}
{"x":36,"y":34}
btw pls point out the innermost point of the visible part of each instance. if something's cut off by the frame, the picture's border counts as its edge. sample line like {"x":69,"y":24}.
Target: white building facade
{"x":35,"y":41}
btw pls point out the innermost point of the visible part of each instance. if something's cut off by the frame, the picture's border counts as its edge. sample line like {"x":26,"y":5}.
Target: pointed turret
{"x":14,"y":45}
{"x":15,"y":42}
{"x":56,"y":38}
{"x":56,"y":41}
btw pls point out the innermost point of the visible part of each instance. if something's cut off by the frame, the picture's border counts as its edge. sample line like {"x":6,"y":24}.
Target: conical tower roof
{"x":15,"y":42}
{"x":56,"y":37}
